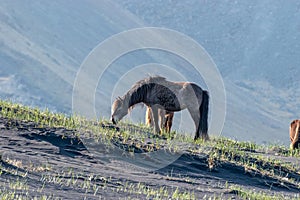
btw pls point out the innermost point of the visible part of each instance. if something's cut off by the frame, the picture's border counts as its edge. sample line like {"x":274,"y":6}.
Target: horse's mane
{"x":147,"y":80}
{"x":140,"y":88}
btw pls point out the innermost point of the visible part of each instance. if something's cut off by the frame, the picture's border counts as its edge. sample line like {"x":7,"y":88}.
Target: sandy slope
{"x":53,"y":162}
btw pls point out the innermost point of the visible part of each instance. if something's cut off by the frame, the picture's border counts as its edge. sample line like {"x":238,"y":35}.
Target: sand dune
{"x":53,"y":162}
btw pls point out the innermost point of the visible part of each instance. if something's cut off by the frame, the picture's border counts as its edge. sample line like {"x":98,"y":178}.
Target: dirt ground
{"x":52,"y":162}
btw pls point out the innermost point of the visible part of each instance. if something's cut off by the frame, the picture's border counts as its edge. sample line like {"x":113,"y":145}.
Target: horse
{"x":295,"y":134}
{"x":158,"y":93}
{"x":165,"y":117}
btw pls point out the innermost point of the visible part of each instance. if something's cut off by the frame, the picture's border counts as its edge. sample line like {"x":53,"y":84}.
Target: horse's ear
{"x":120,"y":100}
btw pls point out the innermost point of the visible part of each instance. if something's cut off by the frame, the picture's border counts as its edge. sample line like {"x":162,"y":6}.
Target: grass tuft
{"x":133,"y":138}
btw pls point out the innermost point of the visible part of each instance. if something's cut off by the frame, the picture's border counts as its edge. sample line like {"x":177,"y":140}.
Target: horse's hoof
{"x":292,"y":146}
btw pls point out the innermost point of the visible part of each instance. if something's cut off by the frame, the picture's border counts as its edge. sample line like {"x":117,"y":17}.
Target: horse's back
{"x":196,"y":89}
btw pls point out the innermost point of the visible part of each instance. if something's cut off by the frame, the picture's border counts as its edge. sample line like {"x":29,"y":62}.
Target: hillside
{"x":255,"y":47}
{"x":45,"y":155}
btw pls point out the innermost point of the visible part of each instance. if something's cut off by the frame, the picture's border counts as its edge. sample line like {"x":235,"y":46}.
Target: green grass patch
{"x":139,"y":138}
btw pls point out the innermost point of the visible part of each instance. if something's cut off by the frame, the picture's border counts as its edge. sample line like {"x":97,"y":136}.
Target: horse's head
{"x":118,"y":110}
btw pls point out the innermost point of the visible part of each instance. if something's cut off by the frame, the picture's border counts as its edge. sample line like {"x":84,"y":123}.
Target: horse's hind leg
{"x":196,"y":117}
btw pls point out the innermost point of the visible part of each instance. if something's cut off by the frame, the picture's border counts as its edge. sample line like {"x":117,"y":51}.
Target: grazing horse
{"x":165,"y":117}
{"x":158,"y":93}
{"x":295,"y":134}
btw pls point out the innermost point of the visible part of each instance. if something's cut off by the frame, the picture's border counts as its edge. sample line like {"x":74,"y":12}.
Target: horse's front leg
{"x":149,"y":117}
{"x":161,"y":118}
{"x":168,"y":121}
{"x":155,"y":118}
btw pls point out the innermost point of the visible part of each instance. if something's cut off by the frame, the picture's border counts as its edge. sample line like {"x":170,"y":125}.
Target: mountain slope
{"x":43,"y":44}
{"x":254,"y":44}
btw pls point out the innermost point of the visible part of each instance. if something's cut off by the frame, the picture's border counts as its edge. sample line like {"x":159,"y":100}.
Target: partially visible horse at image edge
{"x":158,"y":93}
{"x":295,"y":134}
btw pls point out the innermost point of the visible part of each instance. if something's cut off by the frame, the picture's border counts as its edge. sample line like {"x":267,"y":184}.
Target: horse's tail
{"x":203,"y":124}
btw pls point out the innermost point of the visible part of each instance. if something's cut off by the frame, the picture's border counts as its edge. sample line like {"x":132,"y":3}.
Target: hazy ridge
{"x":254,"y":44}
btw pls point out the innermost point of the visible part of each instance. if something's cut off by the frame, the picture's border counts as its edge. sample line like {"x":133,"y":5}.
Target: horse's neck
{"x":136,"y":96}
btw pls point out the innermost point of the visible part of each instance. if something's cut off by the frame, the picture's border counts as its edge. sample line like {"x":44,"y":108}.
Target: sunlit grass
{"x":134,"y":137}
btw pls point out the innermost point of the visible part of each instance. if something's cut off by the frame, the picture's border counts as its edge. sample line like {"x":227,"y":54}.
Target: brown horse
{"x":158,"y":93}
{"x":295,"y":134}
{"x":165,"y":117}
